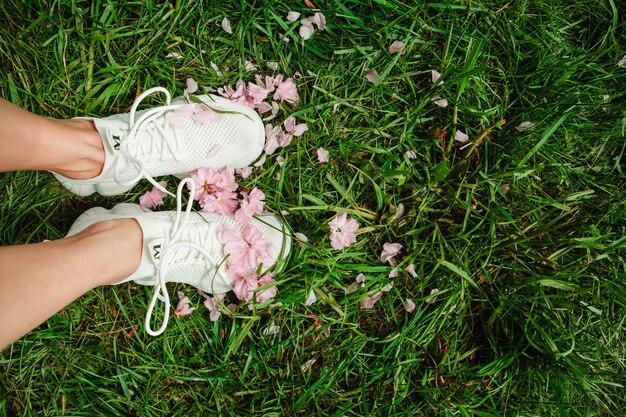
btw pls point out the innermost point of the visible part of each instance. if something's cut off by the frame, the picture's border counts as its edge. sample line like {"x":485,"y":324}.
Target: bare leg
{"x":72,"y":148}
{"x":37,"y":280}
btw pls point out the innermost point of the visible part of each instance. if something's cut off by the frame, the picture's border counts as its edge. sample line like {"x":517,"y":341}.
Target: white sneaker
{"x":183,"y":246}
{"x":147,"y":143}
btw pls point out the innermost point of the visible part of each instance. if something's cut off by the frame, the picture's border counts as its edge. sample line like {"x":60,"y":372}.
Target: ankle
{"x":117,"y":248}
{"x":86,"y":159}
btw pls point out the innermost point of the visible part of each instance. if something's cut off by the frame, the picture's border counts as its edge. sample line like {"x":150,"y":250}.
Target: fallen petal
{"x":293,"y":16}
{"x":226,"y":26}
{"x":192,"y":85}
{"x":372,"y":76}
{"x":460,"y":136}
{"x":441,"y":102}
{"x":435,"y":75}
{"x":409,"y":305}
{"x":306,"y":31}
{"x":396,"y":46}
{"x":622,"y":62}
{"x":311,"y":299}
{"x":524,"y":126}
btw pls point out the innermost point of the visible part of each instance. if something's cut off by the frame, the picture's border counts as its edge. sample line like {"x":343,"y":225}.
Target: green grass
{"x":536,"y":274}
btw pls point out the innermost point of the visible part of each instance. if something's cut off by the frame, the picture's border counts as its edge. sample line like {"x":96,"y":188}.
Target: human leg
{"x":39,"y":279}
{"x":72,"y":148}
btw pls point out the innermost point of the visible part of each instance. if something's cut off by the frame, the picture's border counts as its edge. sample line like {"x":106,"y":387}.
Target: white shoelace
{"x":147,"y":120}
{"x":166,"y":258}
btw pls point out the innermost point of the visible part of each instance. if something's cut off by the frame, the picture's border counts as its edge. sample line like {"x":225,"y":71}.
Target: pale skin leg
{"x":37,"y":280}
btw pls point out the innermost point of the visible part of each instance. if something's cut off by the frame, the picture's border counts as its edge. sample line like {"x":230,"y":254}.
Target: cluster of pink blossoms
{"x":216,"y":193}
{"x":243,"y":244}
{"x":257,"y":95}
{"x":265,"y":95}
{"x":247,"y":250}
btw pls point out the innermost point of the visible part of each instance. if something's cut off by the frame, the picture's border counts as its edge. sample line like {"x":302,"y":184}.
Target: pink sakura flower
{"x":220,"y":202}
{"x":395,"y":47}
{"x":256,"y":93}
{"x":228,"y":92}
{"x":183,"y":309}
{"x":268,"y":293}
{"x":244,"y":286}
{"x":372,"y":76}
{"x":153,"y":198}
{"x":251,"y":204}
{"x":294,"y":129}
{"x":389,"y":251}
{"x":342,"y":231}
{"x":210,"y":180}
{"x":409,"y":305}
{"x":246,"y":249}
{"x":287,"y":91}
{"x":268,"y":84}
{"x":322,"y":155}
{"x":272,"y":136}
{"x":211,"y":305}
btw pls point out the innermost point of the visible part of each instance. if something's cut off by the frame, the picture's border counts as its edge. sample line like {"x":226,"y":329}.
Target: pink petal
{"x":301,"y":237}
{"x":293,"y":16}
{"x":306,"y":31}
{"x":226,"y":26}
{"x":310,"y":299}
{"x":435,"y":75}
{"x":174,"y":55}
{"x":244,"y":172}
{"x":192,"y":85}
{"x":441,"y":102}
{"x":207,"y":115}
{"x":271,"y":329}
{"x":433,"y":293}
{"x":322,"y":155}
{"x":372,"y":76}
{"x":250,"y":66}
{"x":393,"y":273}
{"x":153,"y":198}
{"x":395,"y":47}
{"x":215,"y":149}
{"x":622,"y":62}
{"x":524,"y":126}
{"x":399,"y":211}
{"x":409,"y":305}
{"x":389,"y":251}
{"x":411,"y":154}
{"x":460,"y":136}
{"x":360,"y":279}
{"x":280,"y":160}
{"x":411,"y":270}
{"x":320,"y":20}
{"x":272,"y":65}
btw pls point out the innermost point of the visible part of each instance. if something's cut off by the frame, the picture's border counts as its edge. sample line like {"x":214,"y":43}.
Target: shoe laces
{"x":174,"y":242}
{"x":152,"y":120}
